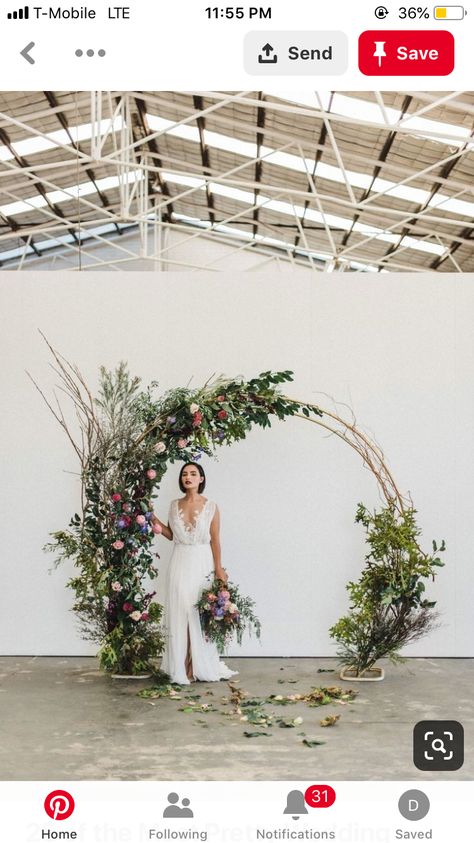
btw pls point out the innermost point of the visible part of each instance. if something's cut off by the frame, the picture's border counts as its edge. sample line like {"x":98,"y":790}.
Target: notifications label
{"x":406,"y":52}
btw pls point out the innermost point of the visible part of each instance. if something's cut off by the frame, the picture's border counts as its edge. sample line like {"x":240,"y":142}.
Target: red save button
{"x":399,"y":52}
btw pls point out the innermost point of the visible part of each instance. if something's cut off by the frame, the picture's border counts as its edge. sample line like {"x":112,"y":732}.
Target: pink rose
{"x":118,"y":545}
{"x":224,"y":594}
{"x":197,"y":419}
{"x":221,"y":397}
{"x":145,"y":616}
{"x":182,"y":443}
{"x":222,"y":414}
{"x":211,"y":596}
{"x":127,"y":607}
{"x":159,"y":448}
{"x":140,"y":519}
{"x":116,"y":586}
{"x":135,"y":616}
{"x":151,"y":474}
{"x":116,"y":497}
{"x":126,"y":507}
{"x":156,"y":528}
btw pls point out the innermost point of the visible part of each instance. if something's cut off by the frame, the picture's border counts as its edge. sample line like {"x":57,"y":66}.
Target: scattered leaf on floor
{"x":158,"y":691}
{"x":330,"y":720}
{"x":311,"y":742}
{"x":257,"y":734}
{"x":289,"y":724}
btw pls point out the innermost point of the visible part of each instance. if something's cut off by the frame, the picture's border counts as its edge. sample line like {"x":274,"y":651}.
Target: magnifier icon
{"x":438,"y":746}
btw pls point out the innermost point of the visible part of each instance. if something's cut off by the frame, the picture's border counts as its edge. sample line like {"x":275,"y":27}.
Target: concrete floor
{"x":62,"y":720}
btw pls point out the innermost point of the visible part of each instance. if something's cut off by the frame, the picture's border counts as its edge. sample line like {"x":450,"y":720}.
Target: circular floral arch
{"x":125,"y":439}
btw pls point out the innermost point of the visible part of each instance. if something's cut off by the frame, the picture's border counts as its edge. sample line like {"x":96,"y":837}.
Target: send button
{"x":296,"y":53}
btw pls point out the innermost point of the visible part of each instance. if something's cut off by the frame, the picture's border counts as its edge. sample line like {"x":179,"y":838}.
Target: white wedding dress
{"x":190,"y":564}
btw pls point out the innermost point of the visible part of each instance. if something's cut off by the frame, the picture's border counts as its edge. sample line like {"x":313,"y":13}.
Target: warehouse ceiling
{"x":338,"y":181}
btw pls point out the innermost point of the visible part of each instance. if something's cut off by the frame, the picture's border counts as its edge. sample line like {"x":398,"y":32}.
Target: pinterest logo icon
{"x":59,"y":805}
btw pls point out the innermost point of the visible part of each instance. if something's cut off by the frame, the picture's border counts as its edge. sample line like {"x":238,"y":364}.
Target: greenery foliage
{"x":129,"y":437}
{"x":388,"y":607}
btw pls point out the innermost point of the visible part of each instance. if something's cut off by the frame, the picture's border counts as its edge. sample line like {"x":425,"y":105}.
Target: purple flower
{"x":219,"y":613}
{"x":170,"y":420}
{"x":121,"y":523}
{"x":221,"y":434}
{"x":144,"y":529}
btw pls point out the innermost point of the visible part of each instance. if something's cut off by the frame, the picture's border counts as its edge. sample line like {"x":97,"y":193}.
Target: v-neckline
{"x":189,"y":527}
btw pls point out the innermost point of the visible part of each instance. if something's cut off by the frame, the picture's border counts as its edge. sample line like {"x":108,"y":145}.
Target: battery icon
{"x":449,"y":12}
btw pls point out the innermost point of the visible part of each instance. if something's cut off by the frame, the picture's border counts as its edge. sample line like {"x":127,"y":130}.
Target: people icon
{"x":186,"y":811}
{"x":173,"y":810}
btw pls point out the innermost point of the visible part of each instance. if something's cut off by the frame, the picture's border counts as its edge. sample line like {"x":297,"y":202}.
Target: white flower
{"x":159,"y":448}
{"x":135,"y":616}
{"x":297,"y":721}
{"x":194,"y":408}
{"x":137,"y":598}
{"x":116,"y":586}
{"x":232,"y":608}
{"x":105,"y":601}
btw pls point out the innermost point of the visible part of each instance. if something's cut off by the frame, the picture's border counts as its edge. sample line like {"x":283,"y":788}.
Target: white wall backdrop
{"x":399,"y":349}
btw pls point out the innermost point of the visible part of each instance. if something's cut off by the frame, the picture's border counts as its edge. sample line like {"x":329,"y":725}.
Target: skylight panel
{"x":184,"y":131}
{"x":424,"y":125}
{"x":230,"y":144}
{"x":41,"y":143}
{"x":454,"y":206}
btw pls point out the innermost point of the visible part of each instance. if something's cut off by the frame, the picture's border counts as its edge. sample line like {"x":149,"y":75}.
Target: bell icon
{"x":295,"y":804}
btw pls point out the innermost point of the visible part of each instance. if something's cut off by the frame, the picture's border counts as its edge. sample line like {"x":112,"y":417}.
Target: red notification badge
{"x":402,"y":52}
{"x":320,"y":796}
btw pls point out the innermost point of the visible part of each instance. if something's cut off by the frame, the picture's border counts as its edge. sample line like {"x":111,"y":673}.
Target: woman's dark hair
{"x":202,"y":484}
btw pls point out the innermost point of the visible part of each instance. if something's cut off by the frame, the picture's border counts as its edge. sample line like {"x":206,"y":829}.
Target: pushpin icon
{"x":379,"y":51}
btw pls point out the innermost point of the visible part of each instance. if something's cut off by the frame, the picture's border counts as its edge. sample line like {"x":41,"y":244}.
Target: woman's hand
{"x":159,"y":528}
{"x":221,"y":574}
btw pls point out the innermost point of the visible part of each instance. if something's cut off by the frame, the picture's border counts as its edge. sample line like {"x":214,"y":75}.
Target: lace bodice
{"x":196,"y":533}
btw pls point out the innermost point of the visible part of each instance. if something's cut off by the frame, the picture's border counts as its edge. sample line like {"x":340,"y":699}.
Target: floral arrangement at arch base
{"x":126,"y":438}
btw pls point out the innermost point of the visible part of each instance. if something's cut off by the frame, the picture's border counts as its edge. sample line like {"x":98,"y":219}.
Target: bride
{"x":193,"y":526}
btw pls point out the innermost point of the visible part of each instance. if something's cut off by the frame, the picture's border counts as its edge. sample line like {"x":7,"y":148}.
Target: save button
{"x":406,"y":52}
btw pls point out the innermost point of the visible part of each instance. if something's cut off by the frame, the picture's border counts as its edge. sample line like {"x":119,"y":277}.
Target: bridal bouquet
{"x":225,"y":613}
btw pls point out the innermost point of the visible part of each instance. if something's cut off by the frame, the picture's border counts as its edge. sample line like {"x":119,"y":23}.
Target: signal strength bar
{"x":20,"y":14}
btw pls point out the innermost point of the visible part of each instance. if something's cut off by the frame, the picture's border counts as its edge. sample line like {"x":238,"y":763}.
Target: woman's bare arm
{"x":220,"y":572}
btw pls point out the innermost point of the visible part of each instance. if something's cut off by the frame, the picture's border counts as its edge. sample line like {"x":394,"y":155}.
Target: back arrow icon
{"x":26,"y":50}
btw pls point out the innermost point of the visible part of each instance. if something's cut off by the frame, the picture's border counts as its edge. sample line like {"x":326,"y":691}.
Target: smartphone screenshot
{"x":236,"y":304}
